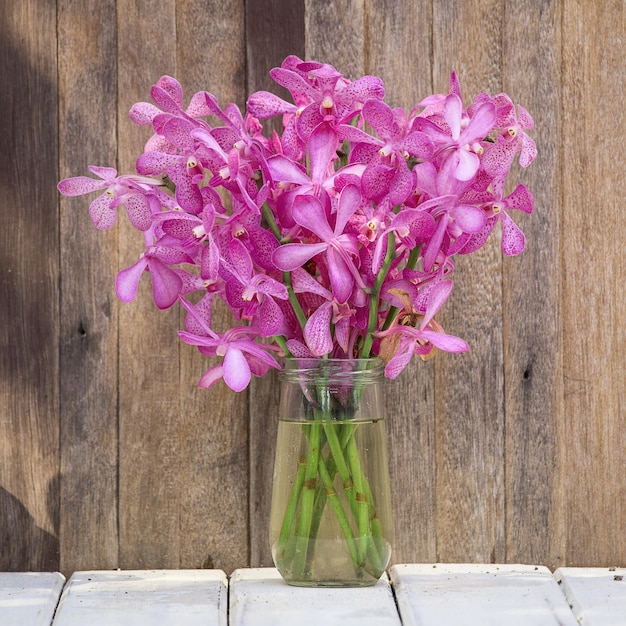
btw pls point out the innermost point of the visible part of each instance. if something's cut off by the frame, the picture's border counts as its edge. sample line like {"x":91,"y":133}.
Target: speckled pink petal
{"x":155,"y":163}
{"x":379,"y":116}
{"x":524,"y":118}
{"x":187,"y":193}
{"x":263,"y":104}
{"x":199,"y":105}
{"x":402,"y":184}
{"x":178,"y":132}
{"x":497,"y":159}
{"x":513,"y":240}
{"x":520,"y":199}
{"x":317,"y":331}
{"x":138,"y":210}
{"x":363,"y":88}
{"x":308,"y":120}
{"x":270,"y":317}
{"x":79,"y":185}
{"x":293,"y":82}
{"x":529,"y":151}
{"x":239,"y":258}
{"x":142,"y":113}
{"x":102,"y":214}
{"x":172,"y":88}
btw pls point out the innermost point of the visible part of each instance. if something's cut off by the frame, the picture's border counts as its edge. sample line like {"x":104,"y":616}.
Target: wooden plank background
{"x":110,"y":456}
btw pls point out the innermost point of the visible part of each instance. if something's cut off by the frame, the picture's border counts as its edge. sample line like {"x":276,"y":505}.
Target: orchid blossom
{"x":335,"y":238}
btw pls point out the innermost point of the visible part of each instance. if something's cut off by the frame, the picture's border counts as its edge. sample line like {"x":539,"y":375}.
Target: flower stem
{"x":372,"y":323}
{"x":307,"y":500}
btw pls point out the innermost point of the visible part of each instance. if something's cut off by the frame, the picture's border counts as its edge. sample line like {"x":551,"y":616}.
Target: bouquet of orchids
{"x":335,"y":238}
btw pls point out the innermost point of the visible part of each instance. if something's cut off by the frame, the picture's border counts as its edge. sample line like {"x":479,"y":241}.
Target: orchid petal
{"x":80,"y":185}
{"x":467,"y":164}
{"x":379,"y":116}
{"x":236,"y":370}
{"x":293,"y":255}
{"x":397,"y":363}
{"x":481,"y":123}
{"x":166,"y":284}
{"x":309,"y":213}
{"x":127,"y":280}
{"x":211,"y":376}
{"x":436,"y":298}
{"x":452,"y":112}
{"x":285,"y":170}
{"x":349,"y":202}
{"x":340,"y":276}
{"x":448,"y":343}
{"x":513,"y":240}
{"x":317,"y":331}
{"x":469,"y":218}
{"x":138,"y":210}
{"x":322,"y":150}
{"x":102,"y":214}
{"x":263,"y":104}
{"x":270,"y":317}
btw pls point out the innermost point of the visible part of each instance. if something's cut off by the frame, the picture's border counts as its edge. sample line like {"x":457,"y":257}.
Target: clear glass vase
{"x":331,"y":522}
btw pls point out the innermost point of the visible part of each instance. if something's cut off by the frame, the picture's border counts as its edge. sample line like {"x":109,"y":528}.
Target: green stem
{"x":307,"y":500}
{"x":333,"y":498}
{"x":372,"y":323}
{"x":290,"y":512}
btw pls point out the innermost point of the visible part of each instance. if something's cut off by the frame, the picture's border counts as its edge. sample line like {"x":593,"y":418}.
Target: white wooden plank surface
{"x":29,"y":598}
{"x":485,"y":595}
{"x":259,"y":597}
{"x":144,"y":598}
{"x":597,"y":595}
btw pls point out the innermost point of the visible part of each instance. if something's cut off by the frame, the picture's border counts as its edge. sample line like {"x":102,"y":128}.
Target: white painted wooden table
{"x":29,"y":598}
{"x":424,"y":595}
{"x":597,"y":596}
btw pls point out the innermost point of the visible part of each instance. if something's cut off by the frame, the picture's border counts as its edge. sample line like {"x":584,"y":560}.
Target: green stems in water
{"x":330,"y":476}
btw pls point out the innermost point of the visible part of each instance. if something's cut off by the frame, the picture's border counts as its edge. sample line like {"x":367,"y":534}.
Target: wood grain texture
{"x":593,"y":432}
{"x":109,"y":453}
{"x":89,"y":436}
{"x":531,"y":288}
{"x":335,"y":34}
{"x":29,"y":289}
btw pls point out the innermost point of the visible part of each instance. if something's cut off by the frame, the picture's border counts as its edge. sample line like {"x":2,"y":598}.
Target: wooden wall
{"x":110,"y":456}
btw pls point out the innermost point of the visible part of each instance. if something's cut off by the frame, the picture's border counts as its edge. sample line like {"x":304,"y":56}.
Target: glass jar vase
{"x":331,"y":522}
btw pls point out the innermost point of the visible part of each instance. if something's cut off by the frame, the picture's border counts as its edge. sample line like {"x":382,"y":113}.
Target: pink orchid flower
{"x":340,"y":248}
